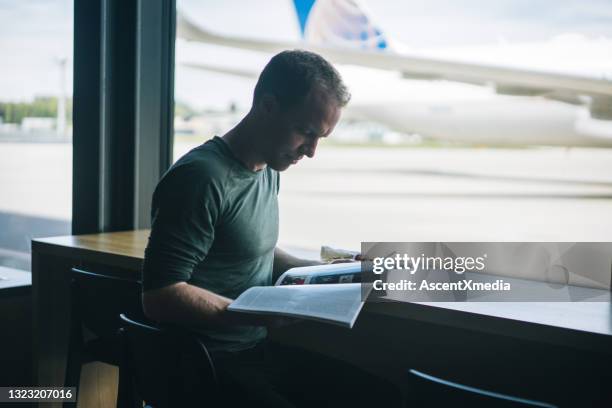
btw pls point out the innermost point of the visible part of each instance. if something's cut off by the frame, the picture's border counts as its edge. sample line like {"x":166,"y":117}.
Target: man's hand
{"x":335,"y":255}
{"x":284,"y":261}
{"x":339,"y":261}
{"x":357,"y":258}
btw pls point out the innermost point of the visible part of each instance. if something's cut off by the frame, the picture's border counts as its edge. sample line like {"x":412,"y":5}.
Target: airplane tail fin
{"x":342,"y":23}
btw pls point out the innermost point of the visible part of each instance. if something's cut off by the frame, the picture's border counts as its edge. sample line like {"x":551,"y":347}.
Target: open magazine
{"x":298,"y":294}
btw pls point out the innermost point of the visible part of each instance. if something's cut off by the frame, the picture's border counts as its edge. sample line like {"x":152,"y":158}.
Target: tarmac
{"x":347,"y":194}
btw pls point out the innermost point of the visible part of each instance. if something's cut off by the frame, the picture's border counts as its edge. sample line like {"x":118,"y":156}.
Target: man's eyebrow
{"x":313,"y":129}
{"x":323,"y":132}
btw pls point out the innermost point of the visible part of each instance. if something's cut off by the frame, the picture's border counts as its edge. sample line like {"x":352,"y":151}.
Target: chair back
{"x":427,"y":390}
{"x":97,"y":301}
{"x":167,"y":366}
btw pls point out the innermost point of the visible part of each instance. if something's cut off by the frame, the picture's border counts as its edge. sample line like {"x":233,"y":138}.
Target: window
{"x":416,"y":158}
{"x":35,"y":125}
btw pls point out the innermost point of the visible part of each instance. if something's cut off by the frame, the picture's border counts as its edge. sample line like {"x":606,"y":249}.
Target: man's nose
{"x":310,"y":149}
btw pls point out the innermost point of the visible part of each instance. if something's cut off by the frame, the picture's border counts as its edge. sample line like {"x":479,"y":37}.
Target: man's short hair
{"x":290,"y":75}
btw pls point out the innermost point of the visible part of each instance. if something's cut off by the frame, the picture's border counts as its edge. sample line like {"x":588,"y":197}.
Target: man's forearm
{"x":284,"y":261}
{"x":184,"y":304}
{"x":188,"y":305}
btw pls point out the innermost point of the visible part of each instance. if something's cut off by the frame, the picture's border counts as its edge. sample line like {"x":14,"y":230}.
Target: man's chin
{"x":281,"y":165}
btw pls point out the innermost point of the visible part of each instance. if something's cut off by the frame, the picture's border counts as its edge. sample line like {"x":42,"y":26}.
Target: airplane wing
{"x":243,"y":73}
{"x":565,"y":87}
{"x":349,"y":112}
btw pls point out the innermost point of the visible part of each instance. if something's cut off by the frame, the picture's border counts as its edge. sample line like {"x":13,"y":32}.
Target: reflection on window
{"x":416,"y":158}
{"x":35,"y":125}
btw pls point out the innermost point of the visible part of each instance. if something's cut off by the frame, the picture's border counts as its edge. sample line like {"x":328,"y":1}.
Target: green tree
{"x":41,"y":106}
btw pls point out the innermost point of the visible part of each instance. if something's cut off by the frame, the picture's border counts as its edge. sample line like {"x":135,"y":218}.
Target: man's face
{"x":295,"y":133}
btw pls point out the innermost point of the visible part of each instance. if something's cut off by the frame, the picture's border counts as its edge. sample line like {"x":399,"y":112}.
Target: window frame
{"x":123,"y":110}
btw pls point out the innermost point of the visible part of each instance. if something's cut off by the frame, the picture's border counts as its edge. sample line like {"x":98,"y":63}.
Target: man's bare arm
{"x":284,"y":261}
{"x":192,"y":306}
{"x":189,"y":305}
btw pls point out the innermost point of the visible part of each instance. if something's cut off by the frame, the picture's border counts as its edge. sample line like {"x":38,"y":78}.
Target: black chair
{"x":97,"y":300}
{"x":429,"y":391}
{"x":165,"y":367}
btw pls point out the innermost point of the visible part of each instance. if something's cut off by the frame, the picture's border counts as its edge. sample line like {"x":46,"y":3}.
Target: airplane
{"x":559,"y":95}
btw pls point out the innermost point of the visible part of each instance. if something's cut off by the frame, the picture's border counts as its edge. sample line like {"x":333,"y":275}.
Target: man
{"x":215,"y":220}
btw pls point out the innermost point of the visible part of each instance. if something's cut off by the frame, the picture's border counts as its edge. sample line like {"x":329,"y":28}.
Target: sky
{"x":35,"y":33}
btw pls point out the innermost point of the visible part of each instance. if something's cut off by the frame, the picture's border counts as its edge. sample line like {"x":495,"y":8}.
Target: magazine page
{"x":333,"y":303}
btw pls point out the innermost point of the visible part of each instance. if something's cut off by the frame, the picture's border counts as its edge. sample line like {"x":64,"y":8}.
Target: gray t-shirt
{"x":214,"y":225}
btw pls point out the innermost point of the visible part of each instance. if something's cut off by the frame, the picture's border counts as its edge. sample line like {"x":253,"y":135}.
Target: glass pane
{"x":35,"y":125}
{"x":415,"y":157}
